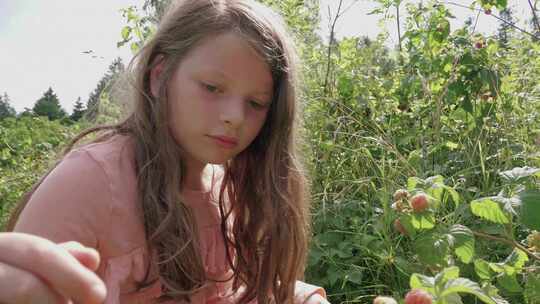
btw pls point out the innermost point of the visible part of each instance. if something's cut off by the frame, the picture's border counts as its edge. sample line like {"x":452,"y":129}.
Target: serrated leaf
{"x":423,"y":221}
{"x":532,"y":289}
{"x":446,"y":275}
{"x":453,"y":194}
{"x":412,"y":182}
{"x":509,"y":282}
{"x":483,"y":270}
{"x":509,"y":204}
{"x":493,"y":292}
{"x":462,"y":285}
{"x":432,"y":249}
{"x":452,"y":299}
{"x":355,"y":276}
{"x":435,"y":180}
{"x":126,"y":30}
{"x":464,"y":243}
{"x":530,"y":209}
{"x":406,"y":222}
{"x":519,"y":173}
{"x":422,"y":281}
{"x":517,"y":259}
{"x":134,"y":47}
{"x":490,"y":210}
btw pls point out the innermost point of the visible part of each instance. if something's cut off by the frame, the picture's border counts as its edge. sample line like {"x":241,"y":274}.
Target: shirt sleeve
{"x":304,"y":290}
{"x":71,"y":204}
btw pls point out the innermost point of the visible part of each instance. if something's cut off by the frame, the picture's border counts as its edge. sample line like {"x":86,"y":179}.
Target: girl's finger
{"x":20,"y":286}
{"x":54,"y":265}
{"x":89,"y":257}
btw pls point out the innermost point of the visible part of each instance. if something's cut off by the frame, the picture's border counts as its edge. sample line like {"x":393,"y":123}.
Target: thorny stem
{"x":509,"y":242}
{"x":496,"y":17}
{"x":535,"y":18}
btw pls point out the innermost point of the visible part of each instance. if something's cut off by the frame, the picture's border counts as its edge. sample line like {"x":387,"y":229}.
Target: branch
{"x":509,"y":242}
{"x":497,"y":17}
{"x":535,"y":18}
{"x":330,"y":43}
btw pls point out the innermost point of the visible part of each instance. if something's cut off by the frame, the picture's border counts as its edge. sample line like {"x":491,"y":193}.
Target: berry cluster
{"x":403,"y":202}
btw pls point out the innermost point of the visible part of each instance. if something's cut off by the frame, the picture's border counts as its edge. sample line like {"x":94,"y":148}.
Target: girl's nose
{"x":233,"y":112}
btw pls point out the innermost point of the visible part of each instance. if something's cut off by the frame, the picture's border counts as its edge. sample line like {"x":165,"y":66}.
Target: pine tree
{"x":505,"y":30}
{"x":49,"y":105}
{"x":6,"y":110}
{"x":78,"y":110}
{"x":104,"y":85}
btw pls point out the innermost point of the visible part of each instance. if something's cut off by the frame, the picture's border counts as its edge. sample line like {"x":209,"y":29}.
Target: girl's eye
{"x":256,"y":105}
{"x":210,"y":88}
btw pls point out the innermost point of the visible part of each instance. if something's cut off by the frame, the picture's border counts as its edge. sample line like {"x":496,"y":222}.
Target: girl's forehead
{"x":227,"y":55}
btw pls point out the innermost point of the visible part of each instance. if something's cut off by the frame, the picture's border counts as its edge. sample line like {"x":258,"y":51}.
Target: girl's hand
{"x":316,"y":299}
{"x":36,"y":270}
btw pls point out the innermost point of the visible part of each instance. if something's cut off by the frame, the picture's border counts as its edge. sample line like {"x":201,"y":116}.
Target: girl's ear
{"x":155,"y":73}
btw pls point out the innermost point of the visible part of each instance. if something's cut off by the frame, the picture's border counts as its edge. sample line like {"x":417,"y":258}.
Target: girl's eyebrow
{"x":224,"y":75}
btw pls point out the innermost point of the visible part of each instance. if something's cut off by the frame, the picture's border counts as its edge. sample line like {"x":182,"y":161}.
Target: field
{"x":425,"y":162}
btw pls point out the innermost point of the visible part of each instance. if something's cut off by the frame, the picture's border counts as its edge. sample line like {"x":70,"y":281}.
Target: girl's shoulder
{"x":114,"y":159}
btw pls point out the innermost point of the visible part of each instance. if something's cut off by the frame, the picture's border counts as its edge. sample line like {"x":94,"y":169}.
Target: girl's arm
{"x":73,"y":203}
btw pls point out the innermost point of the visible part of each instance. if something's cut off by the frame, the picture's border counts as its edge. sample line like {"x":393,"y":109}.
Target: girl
{"x":199,"y":194}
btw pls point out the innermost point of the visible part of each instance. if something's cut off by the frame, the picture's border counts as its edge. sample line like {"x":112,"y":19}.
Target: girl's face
{"x":219,"y":97}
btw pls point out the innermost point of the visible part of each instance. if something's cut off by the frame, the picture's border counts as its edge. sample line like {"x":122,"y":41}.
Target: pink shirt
{"x":91,"y":197}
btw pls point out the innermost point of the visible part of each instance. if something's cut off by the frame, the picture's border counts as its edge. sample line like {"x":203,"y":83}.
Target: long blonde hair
{"x":265,"y":184}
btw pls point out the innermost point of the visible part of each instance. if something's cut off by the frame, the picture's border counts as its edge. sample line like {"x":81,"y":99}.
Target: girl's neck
{"x":199,"y":177}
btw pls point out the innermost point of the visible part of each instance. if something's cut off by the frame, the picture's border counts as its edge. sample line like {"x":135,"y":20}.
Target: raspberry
{"x":384,"y":300}
{"x":400,"y":194}
{"x":399,"y":227}
{"x":419,"y":202}
{"x":418,"y":296}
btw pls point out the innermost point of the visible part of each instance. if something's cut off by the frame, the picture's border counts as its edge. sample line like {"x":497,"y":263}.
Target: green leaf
{"x":509,"y":282}
{"x":530,"y":209}
{"x":483,"y":270}
{"x":432,"y":249}
{"x":423,"y":221}
{"x":517,"y":259}
{"x":134,"y":47}
{"x":423,"y":282}
{"x":126,"y":30}
{"x":462,"y":285}
{"x":355,"y":276}
{"x":412,"y":182}
{"x":464,"y":243}
{"x":453,"y":194}
{"x":519,"y":173}
{"x":532,"y":289}
{"x":490,"y":210}
{"x":446,"y":275}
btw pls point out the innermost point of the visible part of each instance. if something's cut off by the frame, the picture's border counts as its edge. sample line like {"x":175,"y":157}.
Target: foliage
{"x":452,"y":115}
{"x":104,"y":90}
{"x":6,"y":110}
{"x":28,"y":146}
{"x":78,"y":110}
{"x":49,"y":105}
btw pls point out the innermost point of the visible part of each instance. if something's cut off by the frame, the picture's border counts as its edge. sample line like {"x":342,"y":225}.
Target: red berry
{"x":418,"y":296}
{"x":419,"y":202}
{"x":487,"y":11}
{"x":384,"y":300}
{"x":479,"y":45}
{"x":399,"y":227}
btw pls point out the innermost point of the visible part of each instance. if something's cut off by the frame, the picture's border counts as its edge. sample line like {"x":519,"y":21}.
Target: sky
{"x":42,"y":41}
